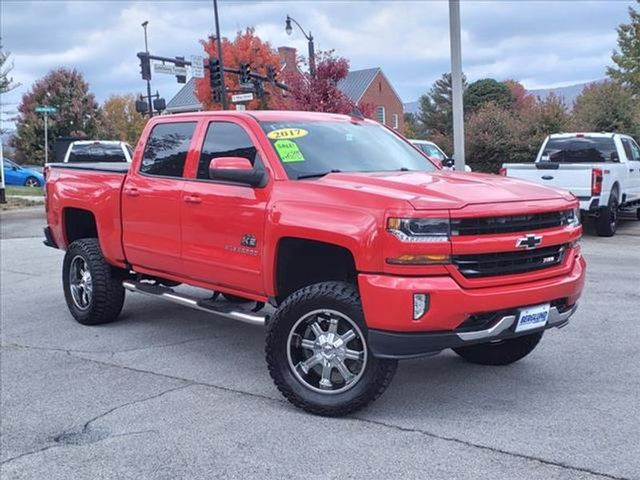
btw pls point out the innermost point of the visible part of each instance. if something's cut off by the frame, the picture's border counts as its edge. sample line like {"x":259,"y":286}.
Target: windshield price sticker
{"x":287,"y":133}
{"x":288,"y":151}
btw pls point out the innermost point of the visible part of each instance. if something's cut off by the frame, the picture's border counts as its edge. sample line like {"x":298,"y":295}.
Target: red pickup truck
{"x":366,"y":251}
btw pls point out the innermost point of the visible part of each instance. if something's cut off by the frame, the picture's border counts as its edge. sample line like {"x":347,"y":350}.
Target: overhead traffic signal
{"x":215,"y":70}
{"x":271,"y":73}
{"x":180,"y":63}
{"x":145,"y":65}
{"x":244,"y":72}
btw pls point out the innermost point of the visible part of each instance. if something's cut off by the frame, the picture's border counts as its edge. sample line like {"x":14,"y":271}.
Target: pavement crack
{"x":26,"y":454}
{"x":490,"y":449}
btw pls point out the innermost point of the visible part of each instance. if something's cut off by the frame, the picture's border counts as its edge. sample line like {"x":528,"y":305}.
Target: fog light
{"x":420,"y":304}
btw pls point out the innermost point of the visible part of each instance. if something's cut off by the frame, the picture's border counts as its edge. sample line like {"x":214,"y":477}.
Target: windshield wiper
{"x":317,"y":175}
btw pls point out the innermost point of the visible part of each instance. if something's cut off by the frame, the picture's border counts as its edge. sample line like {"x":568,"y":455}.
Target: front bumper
{"x":398,"y":345}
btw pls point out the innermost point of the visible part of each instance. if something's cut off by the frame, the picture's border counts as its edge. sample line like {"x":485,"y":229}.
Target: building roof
{"x":355,"y":84}
{"x":185,"y":100}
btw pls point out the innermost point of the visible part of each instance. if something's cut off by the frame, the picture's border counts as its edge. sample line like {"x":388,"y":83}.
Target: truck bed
{"x":575,"y":177}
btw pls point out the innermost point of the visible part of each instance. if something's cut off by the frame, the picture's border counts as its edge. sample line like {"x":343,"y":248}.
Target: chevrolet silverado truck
{"x":601,"y":169}
{"x":365,"y":251}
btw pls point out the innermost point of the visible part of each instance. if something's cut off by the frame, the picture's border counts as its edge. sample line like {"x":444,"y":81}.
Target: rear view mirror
{"x":448,"y":162}
{"x":237,"y":170}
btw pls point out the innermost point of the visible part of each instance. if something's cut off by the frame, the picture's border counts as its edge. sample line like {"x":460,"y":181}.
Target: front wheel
{"x":318,"y":355}
{"x":502,"y":352}
{"x":92,"y":288}
{"x":31,"y":182}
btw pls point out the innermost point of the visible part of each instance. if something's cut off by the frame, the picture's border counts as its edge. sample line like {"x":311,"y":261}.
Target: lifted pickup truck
{"x":601,"y":169}
{"x":367,"y":251}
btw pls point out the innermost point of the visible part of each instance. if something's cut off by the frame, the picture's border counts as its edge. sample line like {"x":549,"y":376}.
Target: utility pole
{"x":223,"y":88}
{"x":146,"y":49}
{"x":3,"y":198}
{"x":46,"y":138}
{"x":456,"y":84}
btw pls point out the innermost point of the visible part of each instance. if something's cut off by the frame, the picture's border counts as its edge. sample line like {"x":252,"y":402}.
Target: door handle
{"x":132,"y":192}
{"x":631,"y":170}
{"x":192,"y":199}
{"x":547,"y":177}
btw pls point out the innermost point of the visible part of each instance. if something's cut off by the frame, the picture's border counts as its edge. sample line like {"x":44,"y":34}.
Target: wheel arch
{"x":79,"y":223}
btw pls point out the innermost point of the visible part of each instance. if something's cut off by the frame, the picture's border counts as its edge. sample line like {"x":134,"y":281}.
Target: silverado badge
{"x":529,"y":242}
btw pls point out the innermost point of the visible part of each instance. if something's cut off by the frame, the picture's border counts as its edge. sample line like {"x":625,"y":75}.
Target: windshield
{"x":431,"y":151}
{"x":580,"y":149}
{"x":315,"y":148}
{"x":96,"y":152}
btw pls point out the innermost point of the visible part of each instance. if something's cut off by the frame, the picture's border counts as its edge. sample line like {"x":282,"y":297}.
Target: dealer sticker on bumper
{"x":532,"y":317}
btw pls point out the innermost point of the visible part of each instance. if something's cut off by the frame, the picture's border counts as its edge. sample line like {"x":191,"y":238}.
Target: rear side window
{"x":96,"y":152}
{"x":166,"y":150}
{"x":225,"y":139}
{"x":631,"y":149}
{"x":580,"y":149}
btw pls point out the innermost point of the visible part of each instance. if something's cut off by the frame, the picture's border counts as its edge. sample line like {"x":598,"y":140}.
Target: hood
{"x":443,"y":189}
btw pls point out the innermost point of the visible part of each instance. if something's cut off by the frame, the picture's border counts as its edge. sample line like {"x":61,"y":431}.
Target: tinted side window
{"x":636,"y":150}
{"x":224,"y":139}
{"x":627,"y":148}
{"x":166,"y":149}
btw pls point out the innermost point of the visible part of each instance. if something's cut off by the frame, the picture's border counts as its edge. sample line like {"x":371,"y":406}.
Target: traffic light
{"x":244,"y":72}
{"x":215,"y":70}
{"x":142,"y":106}
{"x":145,"y":65}
{"x":180,"y":63}
{"x":271,"y":73}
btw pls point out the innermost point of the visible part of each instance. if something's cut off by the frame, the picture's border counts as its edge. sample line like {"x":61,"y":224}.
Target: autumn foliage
{"x":245,"y":47}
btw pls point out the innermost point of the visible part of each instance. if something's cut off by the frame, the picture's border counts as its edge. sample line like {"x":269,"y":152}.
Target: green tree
{"x":485,"y":91}
{"x":435,"y":114}
{"x":606,"y":107}
{"x":119,"y":119}
{"x":628,"y":58}
{"x":77,"y":114}
{"x":6,"y":81}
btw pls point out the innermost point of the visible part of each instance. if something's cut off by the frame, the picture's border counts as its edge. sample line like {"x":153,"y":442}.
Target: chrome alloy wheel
{"x":327,"y":351}
{"x":80,"y":282}
{"x":31,"y":182}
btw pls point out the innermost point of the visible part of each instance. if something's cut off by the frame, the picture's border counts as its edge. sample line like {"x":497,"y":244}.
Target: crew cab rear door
{"x":151,"y":199}
{"x":223,"y":223}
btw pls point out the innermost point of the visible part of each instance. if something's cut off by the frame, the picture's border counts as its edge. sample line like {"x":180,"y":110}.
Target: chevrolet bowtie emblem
{"x":529,"y":242}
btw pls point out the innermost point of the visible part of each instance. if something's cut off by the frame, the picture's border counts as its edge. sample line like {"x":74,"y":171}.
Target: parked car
{"x":15,"y":174}
{"x":98,"y":151}
{"x":433,"y":151}
{"x":601,"y":169}
{"x":367,"y":250}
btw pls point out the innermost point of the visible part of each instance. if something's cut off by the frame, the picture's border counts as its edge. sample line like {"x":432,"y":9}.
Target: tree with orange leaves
{"x":245,"y":47}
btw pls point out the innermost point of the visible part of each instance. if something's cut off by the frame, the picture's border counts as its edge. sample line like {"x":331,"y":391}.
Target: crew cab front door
{"x":151,"y":199}
{"x":223,"y":223}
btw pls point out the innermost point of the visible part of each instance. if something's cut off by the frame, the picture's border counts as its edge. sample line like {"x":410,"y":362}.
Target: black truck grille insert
{"x":508,"y":263}
{"x":510,"y":224}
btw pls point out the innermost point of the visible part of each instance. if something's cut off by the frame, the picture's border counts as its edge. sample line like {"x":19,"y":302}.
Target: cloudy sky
{"x":540,"y":43}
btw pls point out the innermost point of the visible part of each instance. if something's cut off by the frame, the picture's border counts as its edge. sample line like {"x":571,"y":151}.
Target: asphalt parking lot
{"x":168,"y":392}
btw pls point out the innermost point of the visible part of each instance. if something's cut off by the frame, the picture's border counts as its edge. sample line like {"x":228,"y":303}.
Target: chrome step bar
{"x":193,"y":302}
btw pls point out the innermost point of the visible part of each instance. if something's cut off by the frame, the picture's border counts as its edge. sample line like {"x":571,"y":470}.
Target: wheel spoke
{"x":309,"y":363}
{"x":348,"y":336}
{"x":308,"y":344}
{"x":353,"y":354}
{"x":345,"y":372}
{"x":317,"y":330}
{"x":333,"y":325}
{"x":325,"y":381}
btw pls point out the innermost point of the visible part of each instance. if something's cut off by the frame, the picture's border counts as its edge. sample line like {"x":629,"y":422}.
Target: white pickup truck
{"x":601,"y":169}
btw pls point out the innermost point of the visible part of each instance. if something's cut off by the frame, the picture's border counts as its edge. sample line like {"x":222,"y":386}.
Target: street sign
{"x":197,"y":66}
{"x":46,"y":109}
{"x":169,"y":69}
{"x":247,"y":86}
{"x":242,"y":97}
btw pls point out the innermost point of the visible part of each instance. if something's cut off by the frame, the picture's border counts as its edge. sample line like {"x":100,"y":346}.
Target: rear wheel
{"x":318,"y":355}
{"x":92,"y":288}
{"x":502,"y":352}
{"x":31,"y":182}
{"x":607,"y":221}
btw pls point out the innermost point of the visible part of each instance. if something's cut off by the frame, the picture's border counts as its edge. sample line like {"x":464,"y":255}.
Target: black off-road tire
{"x":500,"y":353}
{"x":107,"y":296}
{"x":337,"y":296}
{"x":607,"y":221}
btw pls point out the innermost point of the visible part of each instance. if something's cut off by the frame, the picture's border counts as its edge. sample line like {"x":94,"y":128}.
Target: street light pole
{"x":223,"y":87}
{"x":46,"y":138}
{"x":456,"y":84}
{"x":309,"y":37}
{"x":146,"y":49}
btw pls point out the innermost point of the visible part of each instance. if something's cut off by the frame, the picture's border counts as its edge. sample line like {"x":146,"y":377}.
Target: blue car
{"x":14,"y":174}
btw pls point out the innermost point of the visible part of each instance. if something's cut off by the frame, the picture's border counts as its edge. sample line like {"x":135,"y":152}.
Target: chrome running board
{"x":556,"y":319}
{"x":193,"y":302}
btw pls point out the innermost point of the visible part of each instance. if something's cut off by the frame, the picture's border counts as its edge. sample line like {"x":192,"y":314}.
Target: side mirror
{"x":448,"y":162}
{"x":236,"y":169}
{"x":615,"y":157}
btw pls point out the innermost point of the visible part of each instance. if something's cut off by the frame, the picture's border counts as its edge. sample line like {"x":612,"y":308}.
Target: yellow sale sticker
{"x":287,"y":133}
{"x":288,"y":151}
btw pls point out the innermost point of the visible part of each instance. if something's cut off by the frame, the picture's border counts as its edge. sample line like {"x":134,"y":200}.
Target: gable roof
{"x":185,"y":100}
{"x":356,"y":82}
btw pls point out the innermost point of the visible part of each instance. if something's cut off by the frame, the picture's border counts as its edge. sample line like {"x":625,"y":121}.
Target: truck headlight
{"x":420,"y":229}
{"x":572,"y":217}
